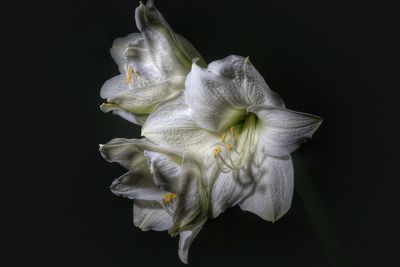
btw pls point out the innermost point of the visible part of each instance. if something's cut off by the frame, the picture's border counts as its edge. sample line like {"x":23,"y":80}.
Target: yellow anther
{"x":131,"y":72}
{"x":223,"y":137}
{"x":232,"y":129}
{"x":217,"y":150}
{"x":229,"y":147}
{"x":169,"y":197}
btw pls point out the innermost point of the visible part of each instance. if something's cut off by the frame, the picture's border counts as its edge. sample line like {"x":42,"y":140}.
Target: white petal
{"x":166,"y":50}
{"x":170,"y":125}
{"x":166,"y":170}
{"x":185,"y":241}
{"x":150,"y":215}
{"x":114,"y":86}
{"x":152,"y":20}
{"x":138,"y":57}
{"x":138,"y":119}
{"x":190,"y":51}
{"x":252,"y":87}
{"x":215,"y":101}
{"x":130,"y":152}
{"x":143,"y":100}
{"x":273,"y":193}
{"x":192,"y":202}
{"x":228,"y":189}
{"x":127,"y":152}
{"x":282,"y":131}
{"x":119,"y":46}
{"x":137,"y":184}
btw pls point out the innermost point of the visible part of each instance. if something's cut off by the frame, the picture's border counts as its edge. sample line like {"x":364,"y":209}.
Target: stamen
{"x":131,"y":73}
{"x":168,"y":198}
{"x":223,"y":138}
{"x":229,"y":147}
{"x":221,"y":166}
{"x":232,"y":129}
{"x":226,"y":164}
{"x":217,"y":150}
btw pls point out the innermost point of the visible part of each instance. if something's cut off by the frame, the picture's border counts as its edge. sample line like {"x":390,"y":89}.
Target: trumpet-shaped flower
{"x":167,"y":188}
{"x":153,"y":66}
{"x":241,"y":131}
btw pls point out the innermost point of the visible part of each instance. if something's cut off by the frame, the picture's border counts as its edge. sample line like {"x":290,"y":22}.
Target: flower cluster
{"x":215,"y":135}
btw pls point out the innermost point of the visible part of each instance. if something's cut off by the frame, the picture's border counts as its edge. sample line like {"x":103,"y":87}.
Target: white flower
{"x":241,"y":131}
{"x":167,"y":188}
{"x":153,"y":66}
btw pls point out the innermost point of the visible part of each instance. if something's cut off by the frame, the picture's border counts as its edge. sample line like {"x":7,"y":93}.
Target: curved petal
{"x":137,"y":184}
{"x":143,"y":100}
{"x":252,"y":88}
{"x":127,"y":152}
{"x":114,"y":86}
{"x":138,"y":119}
{"x":150,"y":215}
{"x":228,"y":189}
{"x":185,"y":241}
{"x":215,"y":101}
{"x":165,"y":170}
{"x":170,"y":125}
{"x":119,"y":46}
{"x":273,"y":192}
{"x":138,"y":56}
{"x":282,"y":131}
{"x":170,"y":53}
{"x":192,"y":202}
{"x":190,"y":51}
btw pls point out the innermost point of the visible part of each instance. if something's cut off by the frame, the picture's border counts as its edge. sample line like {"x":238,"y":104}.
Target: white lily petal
{"x":127,"y":152}
{"x":214,"y":101}
{"x":166,"y":170}
{"x":170,"y":125}
{"x":185,"y":241}
{"x":114,"y":86}
{"x":150,"y":215}
{"x":192,"y":202}
{"x":130,"y":152}
{"x":119,"y":46}
{"x":282,"y":131}
{"x":273,"y":193}
{"x":137,"y":184}
{"x":165,"y":48}
{"x":138,"y":119}
{"x":190,"y":51}
{"x":143,"y":100}
{"x":138,"y":56}
{"x":252,"y":88}
{"x":229,"y":189}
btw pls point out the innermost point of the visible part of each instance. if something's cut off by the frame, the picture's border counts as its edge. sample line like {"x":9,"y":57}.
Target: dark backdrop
{"x":335,"y":59}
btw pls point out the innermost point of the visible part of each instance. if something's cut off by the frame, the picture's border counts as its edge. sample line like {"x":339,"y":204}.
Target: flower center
{"x":236,"y":145}
{"x":130,"y":75}
{"x":167,"y":201}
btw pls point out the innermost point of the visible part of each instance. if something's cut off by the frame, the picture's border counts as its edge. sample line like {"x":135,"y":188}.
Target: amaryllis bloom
{"x":241,"y":132}
{"x":167,"y":188}
{"x":153,"y":66}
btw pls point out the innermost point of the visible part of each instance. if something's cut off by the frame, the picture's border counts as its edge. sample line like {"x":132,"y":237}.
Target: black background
{"x":335,"y":59}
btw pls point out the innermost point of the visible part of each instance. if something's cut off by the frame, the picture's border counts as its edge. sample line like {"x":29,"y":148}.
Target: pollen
{"x":232,"y":130}
{"x":131,"y":73}
{"x":169,"y":197}
{"x":216,"y":151}
{"x":229,"y":147}
{"x":223,"y":137}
